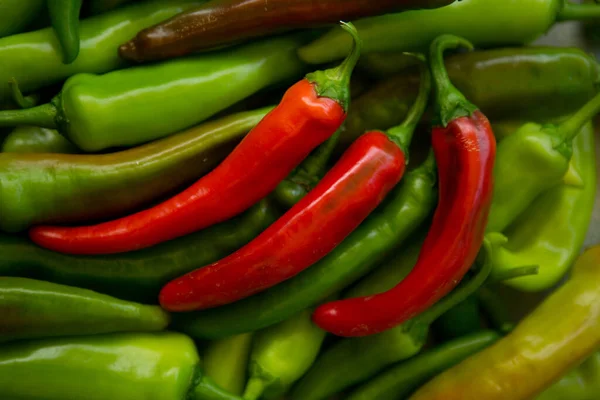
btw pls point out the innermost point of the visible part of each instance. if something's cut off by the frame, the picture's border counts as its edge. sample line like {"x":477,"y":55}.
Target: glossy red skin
{"x":465,"y":152}
{"x":347,"y":194}
{"x":264,"y":158}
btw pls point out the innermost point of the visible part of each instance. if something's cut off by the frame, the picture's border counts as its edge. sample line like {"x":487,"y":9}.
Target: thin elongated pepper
{"x":34,"y":59}
{"x":226,"y":362}
{"x":558,"y":335}
{"x":224,"y":22}
{"x":347,"y":194}
{"x":485,"y":23}
{"x":465,"y":148}
{"x":64,"y":15}
{"x":136,"y":275}
{"x":98,"y":112}
{"x":309,"y":113}
{"x":403,"y":211}
{"x":55,"y":188}
{"x":36,"y":309}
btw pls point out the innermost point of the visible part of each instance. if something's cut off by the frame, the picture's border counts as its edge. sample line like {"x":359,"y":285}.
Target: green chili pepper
{"x":399,"y":381}
{"x":32,"y":139}
{"x":34,"y":59}
{"x":102,"y":6}
{"x":351,"y":361}
{"x":39,"y":188}
{"x":532,"y":160}
{"x":99,"y":112}
{"x":495,"y":310}
{"x":404,"y":209}
{"x":15,"y":15}
{"x":555,"y":225}
{"x":484,"y":23}
{"x":138,"y":275}
{"x":581,"y":383}
{"x":37,"y":309}
{"x":281,"y":354}
{"x":558,"y":335}
{"x":134,"y":366}
{"x":518,"y":83}
{"x":64,"y":15}
{"x":226,"y":361}
{"x":462,"y":320}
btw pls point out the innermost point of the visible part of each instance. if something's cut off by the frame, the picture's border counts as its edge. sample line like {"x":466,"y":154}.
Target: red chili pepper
{"x":465,"y":150}
{"x":313,"y":227}
{"x":309,"y":113}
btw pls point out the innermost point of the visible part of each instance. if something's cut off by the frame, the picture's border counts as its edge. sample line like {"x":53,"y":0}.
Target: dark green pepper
{"x":40,"y":188}
{"x":516,"y":83}
{"x":32,"y":139}
{"x":404,"y":209}
{"x":33,"y":309}
{"x":111,"y":110}
{"x":102,"y":6}
{"x":462,"y":320}
{"x":400,"y":380}
{"x":64,"y":15}
{"x":15,"y":15}
{"x":581,"y":383}
{"x":34,"y":59}
{"x":133,"y":366}
{"x":138,"y":275}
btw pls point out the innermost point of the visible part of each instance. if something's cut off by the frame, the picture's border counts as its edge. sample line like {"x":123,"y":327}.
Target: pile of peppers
{"x":297,"y":200}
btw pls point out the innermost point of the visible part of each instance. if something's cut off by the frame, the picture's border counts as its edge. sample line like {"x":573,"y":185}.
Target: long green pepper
{"x":64,"y":15}
{"x":226,"y":361}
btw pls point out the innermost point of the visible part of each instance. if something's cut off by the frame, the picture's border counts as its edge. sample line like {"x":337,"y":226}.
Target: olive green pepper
{"x":136,"y":105}
{"x":34,"y":59}
{"x":133,"y":366}
{"x":517,"y":83}
{"x":36,"y":309}
{"x":226,"y":361}
{"x":138,"y":275}
{"x":32,"y":139}
{"x":58,"y":188}
{"x":15,"y":15}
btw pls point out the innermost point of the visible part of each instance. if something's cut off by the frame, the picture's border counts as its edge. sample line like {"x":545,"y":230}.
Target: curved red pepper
{"x":309,"y":113}
{"x":465,"y":149}
{"x":313,"y":227}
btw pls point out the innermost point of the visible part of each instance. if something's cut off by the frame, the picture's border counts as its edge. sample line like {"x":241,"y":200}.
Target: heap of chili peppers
{"x":187,"y":212}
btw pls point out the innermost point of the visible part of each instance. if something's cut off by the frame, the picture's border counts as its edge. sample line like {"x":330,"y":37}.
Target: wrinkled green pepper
{"x":34,"y":59}
{"x":525,"y":84}
{"x":134,"y":366}
{"x":32,"y":139}
{"x":138,"y":275}
{"x":553,"y":228}
{"x":36,"y":309}
{"x":226,"y":362}
{"x":16,"y":15}
{"x":97,"y":112}
{"x":58,"y":188}
{"x":400,"y":380}
{"x":558,"y":335}
{"x":581,"y":383}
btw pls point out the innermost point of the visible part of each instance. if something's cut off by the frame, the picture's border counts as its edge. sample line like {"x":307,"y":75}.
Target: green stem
{"x":572,"y":11}
{"x":206,"y":389}
{"x":517,"y":272}
{"x":254,"y":389}
{"x":335,"y":83}
{"x":18,"y":98}
{"x":450,"y":102}
{"x":43,"y":116}
{"x":403,"y":133}
{"x":569,"y":129}
{"x":463,"y":291}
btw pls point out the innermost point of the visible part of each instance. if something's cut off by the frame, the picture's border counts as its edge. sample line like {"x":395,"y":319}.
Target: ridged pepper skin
{"x":57,"y":188}
{"x":405,"y":208}
{"x":37,"y":309}
{"x":32,"y":139}
{"x":139,"y":275}
{"x":558,"y":335}
{"x":133,"y":366}
{"x":34,"y":59}
{"x":98,"y":112}
{"x":225,"y":22}
{"x":15,"y":15}
{"x":485,"y":23}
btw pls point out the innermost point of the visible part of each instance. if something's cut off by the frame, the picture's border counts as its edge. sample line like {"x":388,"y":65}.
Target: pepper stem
{"x":334,"y":83}
{"x":518,"y":272}
{"x":572,"y":11}
{"x":569,"y":129}
{"x":43,"y":116}
{"x":17,"y":95}
{"x":450,"y":102}
{"x":254,"y":389}
{"x":462,"y":292}
{"x":403,"y":133}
